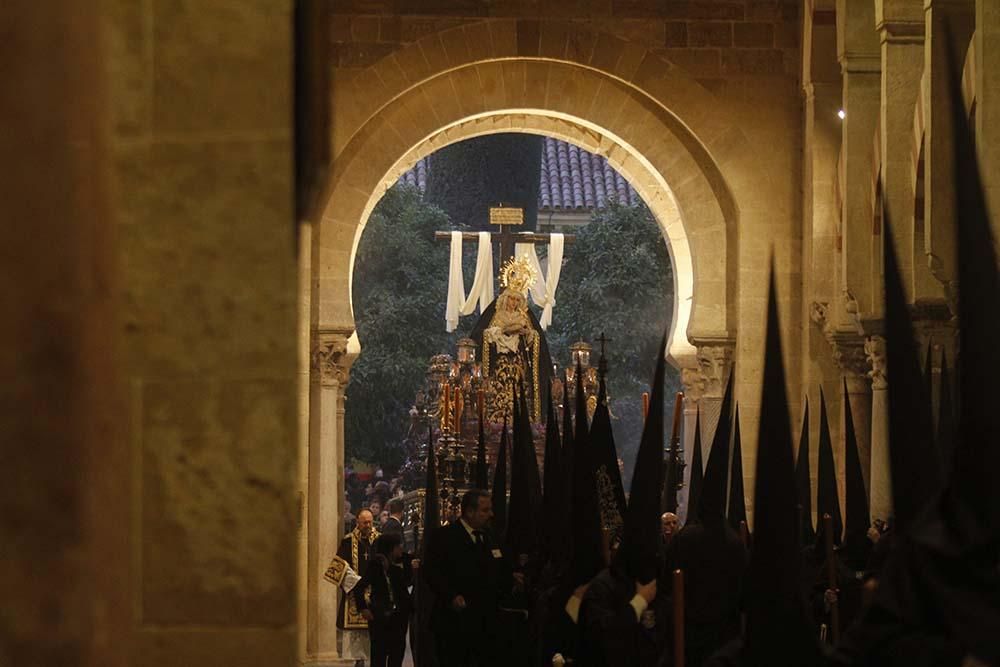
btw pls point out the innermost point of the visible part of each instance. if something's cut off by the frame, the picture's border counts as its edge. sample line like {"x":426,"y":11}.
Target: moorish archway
{"x":684,"y":153}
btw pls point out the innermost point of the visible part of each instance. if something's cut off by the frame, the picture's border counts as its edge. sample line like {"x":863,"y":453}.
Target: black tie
{"x":478,"y":534}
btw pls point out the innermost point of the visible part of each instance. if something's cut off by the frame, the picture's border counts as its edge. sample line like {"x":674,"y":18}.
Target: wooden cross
{"x":507,"y":217}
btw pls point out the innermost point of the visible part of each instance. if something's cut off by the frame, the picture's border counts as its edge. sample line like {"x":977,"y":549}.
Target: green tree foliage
{"x":617,"y":279}
{"x":468,"y":177}
{"x":400,"y":285}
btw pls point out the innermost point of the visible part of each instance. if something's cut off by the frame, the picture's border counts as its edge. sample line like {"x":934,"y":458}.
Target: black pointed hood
{"x":588,"y":557}
{"x":913,"y":458}
{"x":712,"y":505}
{"x":803,"y":485}
{"x":856,"y":544}
{"x":554,"y":500}
{"x":525,"y":507}
{"x":737,"y":499}
{"x":944,"y":577}
{"x":641,"y":542}
{"x":827,"y":496}
{"x":432,"y":502}
{"x":977,"y":455}
{"x":582,"y":430}
{"x":697,"y":473}
{"x":606,"y":471}
{"x":500,"y":489}
{"x":779,"y":632}
{"x":566,"y":452}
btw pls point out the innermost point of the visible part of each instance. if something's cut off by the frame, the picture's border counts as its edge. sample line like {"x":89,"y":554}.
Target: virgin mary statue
{"x":514,"y":350}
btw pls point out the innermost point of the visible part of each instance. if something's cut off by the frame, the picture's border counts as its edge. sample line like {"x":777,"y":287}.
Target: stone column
{"x":715,"y":363}
{"x":880,"y":480}
{"x":693,"y":383}
{"x":939,"y":190}
{"x":331,"y":357}
{"x":704,"y":386}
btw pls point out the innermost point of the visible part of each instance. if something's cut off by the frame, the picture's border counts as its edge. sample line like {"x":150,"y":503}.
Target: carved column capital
{"x":330,"y":358}
{"x":850,"y":355}
{"x":693,"y":383}
{"x":714,"y":364}
{"x":875,"y":353}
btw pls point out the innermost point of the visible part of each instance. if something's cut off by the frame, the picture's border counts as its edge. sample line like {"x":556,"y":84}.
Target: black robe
{"x":714,"y":562}
{"x":348,"y":616}
{"x":558,"y":632}
{"x":610,"y":633}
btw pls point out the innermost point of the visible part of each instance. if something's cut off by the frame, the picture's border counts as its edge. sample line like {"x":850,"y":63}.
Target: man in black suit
{"x":467,"y":575}
{"x":394,"y":524}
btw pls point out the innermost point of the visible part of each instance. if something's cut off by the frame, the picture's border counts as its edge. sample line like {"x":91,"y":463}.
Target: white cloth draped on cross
{"x":482,"y":285}
{"x":542,"y":292}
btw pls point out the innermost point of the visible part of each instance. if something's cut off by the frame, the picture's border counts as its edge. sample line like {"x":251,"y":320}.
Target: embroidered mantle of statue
{"x":514,"y":350}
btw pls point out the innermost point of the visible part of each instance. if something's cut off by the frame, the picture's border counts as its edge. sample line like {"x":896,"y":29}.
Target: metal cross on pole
{"x":602,"y":364}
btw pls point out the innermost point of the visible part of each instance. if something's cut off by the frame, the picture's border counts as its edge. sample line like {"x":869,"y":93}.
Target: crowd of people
{"x":373,"y":494}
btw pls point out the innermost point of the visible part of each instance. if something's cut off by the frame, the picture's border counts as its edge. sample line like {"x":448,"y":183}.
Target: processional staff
{"x":675,"y":459}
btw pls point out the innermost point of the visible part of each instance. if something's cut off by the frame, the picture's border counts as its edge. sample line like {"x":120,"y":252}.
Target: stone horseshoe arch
{"x":660,"y":155}
{"x":679,"y":147}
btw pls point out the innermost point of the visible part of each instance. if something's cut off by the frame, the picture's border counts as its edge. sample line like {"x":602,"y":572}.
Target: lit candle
{"x":678,"y":404}
{"x":444,"y":407}
{"x":459,"y":404}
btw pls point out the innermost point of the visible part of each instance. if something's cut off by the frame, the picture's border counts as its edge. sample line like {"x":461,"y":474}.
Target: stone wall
{"x":207,"y":316}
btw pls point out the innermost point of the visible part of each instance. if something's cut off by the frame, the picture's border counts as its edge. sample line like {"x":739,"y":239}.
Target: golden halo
{"x":518,"y":274}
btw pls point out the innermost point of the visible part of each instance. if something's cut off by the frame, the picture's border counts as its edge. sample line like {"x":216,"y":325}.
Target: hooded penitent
{"x":737,"y":501}
{"x":778,"y":630}
{"x":553,"y":498}
{"x":697,"y":474}
{"x":827,"y":498}
{"x":940,"y":588}
{"x":803,"y":486}
{"x":913,"y":457}
{"x":610,"y":490}
{"x":524,"y":511}
{"x":500,"y":489}
{"x":584,"y":510}
{"x":712,"y":504}
{"x":640,"y":545}
{"x":856,"y":544}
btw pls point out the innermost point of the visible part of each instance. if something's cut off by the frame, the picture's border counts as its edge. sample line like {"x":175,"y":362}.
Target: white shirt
{"x":470,"y":530}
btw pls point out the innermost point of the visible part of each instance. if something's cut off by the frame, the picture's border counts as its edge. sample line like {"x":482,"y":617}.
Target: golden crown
{"x":518,"y":274}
